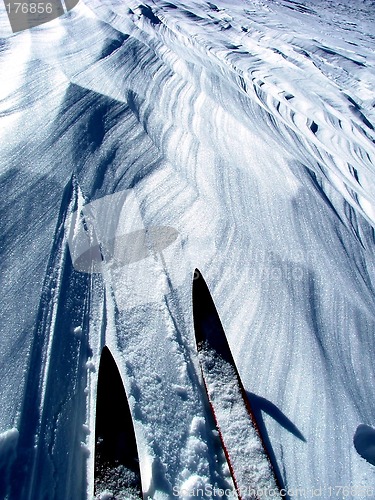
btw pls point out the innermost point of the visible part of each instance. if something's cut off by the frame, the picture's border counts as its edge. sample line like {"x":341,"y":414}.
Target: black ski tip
{"x":207,"y":324}
{"x":116,"y":455}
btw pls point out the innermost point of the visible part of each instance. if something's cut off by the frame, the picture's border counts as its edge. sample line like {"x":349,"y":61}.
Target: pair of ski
{"x":249,"y":464}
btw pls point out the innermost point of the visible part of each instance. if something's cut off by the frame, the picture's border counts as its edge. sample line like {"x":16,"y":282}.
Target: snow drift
{"x":246,"y":127}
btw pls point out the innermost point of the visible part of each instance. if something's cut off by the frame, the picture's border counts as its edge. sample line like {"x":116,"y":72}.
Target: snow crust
{"x":248,"y":128}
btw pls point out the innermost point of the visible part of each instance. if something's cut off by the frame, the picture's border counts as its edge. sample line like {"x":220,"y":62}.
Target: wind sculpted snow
{"x":247,"y":128}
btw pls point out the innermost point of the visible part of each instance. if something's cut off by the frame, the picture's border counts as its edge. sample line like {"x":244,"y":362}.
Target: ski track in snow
{"x":248,"y":127}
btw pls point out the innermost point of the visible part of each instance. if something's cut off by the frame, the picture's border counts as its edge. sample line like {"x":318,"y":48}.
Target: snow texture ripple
{"x":247,"y":127}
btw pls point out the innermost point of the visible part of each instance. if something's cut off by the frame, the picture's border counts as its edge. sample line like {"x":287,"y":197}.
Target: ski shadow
{"x":259,"y":405}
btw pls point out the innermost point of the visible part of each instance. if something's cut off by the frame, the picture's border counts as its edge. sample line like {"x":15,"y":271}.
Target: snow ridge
{"x":247,"y":128}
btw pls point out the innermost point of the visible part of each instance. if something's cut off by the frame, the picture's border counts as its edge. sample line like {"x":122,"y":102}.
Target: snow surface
{"x":248,"y":128}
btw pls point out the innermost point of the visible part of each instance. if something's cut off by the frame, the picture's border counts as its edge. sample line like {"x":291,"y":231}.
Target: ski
{"x":251,"y":469}
{"x":117,"y":473}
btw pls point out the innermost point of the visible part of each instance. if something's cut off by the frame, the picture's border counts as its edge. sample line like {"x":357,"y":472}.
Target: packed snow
{"x":140,"y":141}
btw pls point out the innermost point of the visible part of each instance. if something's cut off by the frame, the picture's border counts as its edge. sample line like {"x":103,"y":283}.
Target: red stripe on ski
{"x":229,"y":403}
